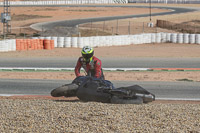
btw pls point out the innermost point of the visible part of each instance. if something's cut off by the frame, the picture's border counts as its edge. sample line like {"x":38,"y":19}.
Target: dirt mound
{"x":60,"y":31}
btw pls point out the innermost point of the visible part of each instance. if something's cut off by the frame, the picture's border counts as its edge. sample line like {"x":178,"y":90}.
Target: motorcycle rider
{"x":90,"y":63}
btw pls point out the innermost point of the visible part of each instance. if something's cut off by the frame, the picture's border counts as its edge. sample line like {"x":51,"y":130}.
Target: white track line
{"x":167,"y":99}
{"x":106,"y":69}
{"x":70,"y":69}
{"x":179,"y":99}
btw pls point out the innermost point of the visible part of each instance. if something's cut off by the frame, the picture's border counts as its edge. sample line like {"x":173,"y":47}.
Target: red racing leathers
{"x":93,"y":67}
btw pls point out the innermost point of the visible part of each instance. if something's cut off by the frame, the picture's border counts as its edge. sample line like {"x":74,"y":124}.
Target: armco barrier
{"x":96,"y":41}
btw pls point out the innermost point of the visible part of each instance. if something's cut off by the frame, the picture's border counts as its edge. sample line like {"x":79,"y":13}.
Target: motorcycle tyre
{"x":117,"y":100}
{"x":67,"y":90}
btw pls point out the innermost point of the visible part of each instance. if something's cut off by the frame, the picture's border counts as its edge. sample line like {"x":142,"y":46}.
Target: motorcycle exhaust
{"x":147,"y":98}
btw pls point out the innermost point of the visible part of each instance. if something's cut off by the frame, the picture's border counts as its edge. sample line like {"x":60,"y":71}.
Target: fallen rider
{"x":94,"y":87}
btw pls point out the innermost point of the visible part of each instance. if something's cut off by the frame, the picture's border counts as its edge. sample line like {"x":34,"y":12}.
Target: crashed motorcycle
{"x":88,"y":88}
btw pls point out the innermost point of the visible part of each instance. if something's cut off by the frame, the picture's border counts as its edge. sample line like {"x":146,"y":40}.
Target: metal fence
{"x":179,"y":27}
{"x":119,"y":27}
{"x":114,"y":27}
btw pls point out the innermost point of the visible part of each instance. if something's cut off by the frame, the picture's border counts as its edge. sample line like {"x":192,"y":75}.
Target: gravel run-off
{"x":74,"y":116}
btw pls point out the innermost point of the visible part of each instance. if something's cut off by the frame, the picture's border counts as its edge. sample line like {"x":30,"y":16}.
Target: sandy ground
{"x":168,"y":50}
{"x":189,"y":76}
{"x":24,"y":17}
{"x":139,"y":25}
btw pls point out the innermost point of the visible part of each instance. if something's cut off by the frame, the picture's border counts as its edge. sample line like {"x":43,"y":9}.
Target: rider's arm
{"x":98,"y":69}
{"x":77,"y":68}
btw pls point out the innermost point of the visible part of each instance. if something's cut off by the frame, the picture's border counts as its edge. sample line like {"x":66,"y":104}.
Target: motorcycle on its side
{"x":88,"y":88}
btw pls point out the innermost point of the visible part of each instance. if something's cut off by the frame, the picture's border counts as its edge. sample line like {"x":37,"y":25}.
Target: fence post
{"x":97,"y":32}
{"x":91,"y":25}
{"x":103,"y":25}
{"x":117,"y":27}
{"x":143,"y":28}
{"x":42,"y":30}
{"x":112,"y":30}
{"x":129,"y":28}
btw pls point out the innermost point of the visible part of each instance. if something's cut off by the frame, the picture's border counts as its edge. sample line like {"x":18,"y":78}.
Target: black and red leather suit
{"x":93,"y":68}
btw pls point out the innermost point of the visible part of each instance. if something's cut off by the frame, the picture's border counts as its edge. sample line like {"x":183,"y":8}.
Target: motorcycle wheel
{"x":68,"y":90}
{"x":117,"y":100}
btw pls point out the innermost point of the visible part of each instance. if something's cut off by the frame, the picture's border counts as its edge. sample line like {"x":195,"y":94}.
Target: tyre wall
{"x":26,"y":44}
{"x":120,"y":40}
{"x":49,"y":43}
{"x":8,"y":45}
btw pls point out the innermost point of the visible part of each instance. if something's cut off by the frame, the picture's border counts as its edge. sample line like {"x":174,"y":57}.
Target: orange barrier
{"x":37,"y":43}
{"x":34,"y":44}
{"x":41,"y":44}
{"x":29,"y":44}
{"x":18,"y":44}
{"x":52,"y":44}
{"x":22,"y":45}
{"x":47,"y":44}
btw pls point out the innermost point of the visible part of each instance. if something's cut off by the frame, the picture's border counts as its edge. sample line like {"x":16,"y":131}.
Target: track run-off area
{"x":162,"y":90}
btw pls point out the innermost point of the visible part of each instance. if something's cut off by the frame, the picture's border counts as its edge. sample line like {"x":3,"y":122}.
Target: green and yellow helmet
{"x":87,"y":53}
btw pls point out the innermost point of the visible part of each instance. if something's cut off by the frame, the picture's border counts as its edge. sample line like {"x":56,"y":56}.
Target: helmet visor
{"x":87,"y":56}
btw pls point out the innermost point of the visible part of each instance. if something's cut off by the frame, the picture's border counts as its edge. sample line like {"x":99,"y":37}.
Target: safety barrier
{"x":67,"y":2}
{"x":34,"y":44}
{"x":27,"y":44}
{"x":7,"y":45}
{"x":119,"y":40}
{"x":96,"y":41}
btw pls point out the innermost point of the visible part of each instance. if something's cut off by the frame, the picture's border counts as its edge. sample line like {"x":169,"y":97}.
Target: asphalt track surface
{"x":106,"y":62}
{"x":73,"y":23}
{"x":162,"y":90}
